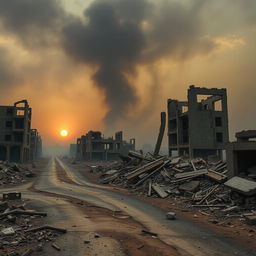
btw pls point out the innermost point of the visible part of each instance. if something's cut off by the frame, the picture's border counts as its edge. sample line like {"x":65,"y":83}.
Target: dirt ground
{"x":232,"y":228}
{"x":116,"y":226}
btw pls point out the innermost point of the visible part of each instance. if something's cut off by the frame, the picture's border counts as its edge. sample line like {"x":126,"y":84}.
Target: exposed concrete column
{"x":8,"y":153}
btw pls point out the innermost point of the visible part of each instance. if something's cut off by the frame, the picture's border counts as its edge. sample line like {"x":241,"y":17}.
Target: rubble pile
{"x":198,"y":183}
{"x":12,"y":173}
{"x":18,"y":234}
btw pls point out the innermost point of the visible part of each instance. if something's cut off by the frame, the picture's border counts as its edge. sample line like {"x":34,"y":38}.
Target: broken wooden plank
{"x":216,"y":176}
{"x":160,"y":191}
{"x":152,"y":173}
{"x":192,"y":163}
{"x":145,"y":168}
{"x":206,"y":196}
{"x":149,"y":187}
{"x":190,"y":174}
{"x":138,"y":155}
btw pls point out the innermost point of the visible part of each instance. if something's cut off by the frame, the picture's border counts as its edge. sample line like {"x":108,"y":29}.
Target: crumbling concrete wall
{"x":93,"y":146}
{"x":199,"y":126}
{"x":35,"y":145}
{"x":15,"y":124}
{"x":241,"y":155}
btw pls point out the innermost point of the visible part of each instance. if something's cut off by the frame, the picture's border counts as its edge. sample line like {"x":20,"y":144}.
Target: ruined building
{"x":15,"y":132}
{"x":35,"y":145}
{"x":93,"y":146}
{"x":241,"y":155}
{"x":72,"y":150}
{"x":199,"y":126}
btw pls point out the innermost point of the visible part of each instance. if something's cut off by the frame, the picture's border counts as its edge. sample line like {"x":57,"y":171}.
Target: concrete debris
{"x":199,"y":183}
{"x":56,"y":247}
{"x":12,"y":173}
{"x":171,"y":215}
{"x":8,"y":231}
{"x":20,"y":234}
{"x":11,"y":196}
{"x":243,"y":186}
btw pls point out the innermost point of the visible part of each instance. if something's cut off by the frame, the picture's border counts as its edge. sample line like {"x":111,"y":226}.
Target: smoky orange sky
{"x":111,"y":65}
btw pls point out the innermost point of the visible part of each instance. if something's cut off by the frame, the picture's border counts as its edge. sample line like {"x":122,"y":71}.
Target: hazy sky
{"x":112,"y":64}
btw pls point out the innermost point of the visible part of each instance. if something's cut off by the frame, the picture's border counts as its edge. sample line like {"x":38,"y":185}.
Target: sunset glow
{"x":64,"y":133}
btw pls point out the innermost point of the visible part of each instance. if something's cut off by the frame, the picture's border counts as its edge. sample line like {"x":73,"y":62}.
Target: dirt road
{"x":103,"y":222}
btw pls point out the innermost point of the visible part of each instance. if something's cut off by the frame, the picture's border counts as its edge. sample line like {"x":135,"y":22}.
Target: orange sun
{"x":63,"y":133}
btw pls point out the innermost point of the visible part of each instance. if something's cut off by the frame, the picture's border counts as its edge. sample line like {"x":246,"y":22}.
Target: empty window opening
{"x":246,"y":161}
{"x":19,"y":123}
{"x":9,"y":111}
{"x":173,"y":139}
{"x":118,"y":145}
{"x":206,"y":107}
{"x":184,"y":121}
{"x":7,"y":137}
{"x":8,"y":124}
{"x":20,"y":112}
{"x":218,"y":121}
{"x":96,"y":146}
{"x":219,"y":137}
{"x":106,"y":146}
{"x":201,"y":97}
{"x":21,"y":104}
{"x":184,"y":109}
{"x":18,"y":136}
{"x":15,"y":154}
{"x":173,"y":124}
{"x":3,"y":153}
{"x":218,"y":105}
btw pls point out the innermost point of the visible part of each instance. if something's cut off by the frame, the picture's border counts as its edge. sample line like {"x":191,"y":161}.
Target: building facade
{"x":15,"y":122}
{"x":35,"y":145}
{"x":241,"y":155}
{"x":198,"y":127}
{"x":93,"y":146}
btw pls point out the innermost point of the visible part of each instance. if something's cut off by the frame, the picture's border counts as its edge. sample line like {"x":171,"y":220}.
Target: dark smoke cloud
{"x":34,"y":22}
{"x":113,"y":46}
{"x":8,"y":73}
{"x":115,"y":36}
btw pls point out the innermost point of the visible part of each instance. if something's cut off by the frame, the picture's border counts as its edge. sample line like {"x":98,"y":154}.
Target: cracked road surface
{"x":183,"y":236}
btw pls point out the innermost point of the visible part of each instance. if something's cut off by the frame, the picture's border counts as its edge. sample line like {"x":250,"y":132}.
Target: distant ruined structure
{"x":16,"y":135}
{"x":35,"y":144}
{"x":198,"y":127}
{"x":93,"y":146}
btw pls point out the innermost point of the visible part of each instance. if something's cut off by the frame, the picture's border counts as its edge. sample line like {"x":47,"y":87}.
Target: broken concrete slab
{"x":190,"y":186}
{"x":171,"y":215}
{"x":160,"y":191}
{"x":11,"y":196}
{"x":251,"y":220}
{"x":242,"y":186}
{"x":8,"y":231}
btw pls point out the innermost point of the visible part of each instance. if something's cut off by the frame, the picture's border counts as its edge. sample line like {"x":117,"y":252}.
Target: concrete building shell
{"x":35,"y":145}
{"x":241,"y":154}
{"x":93,"y":146}
{"x":15,"y":124}
{"x":199,"y":126}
